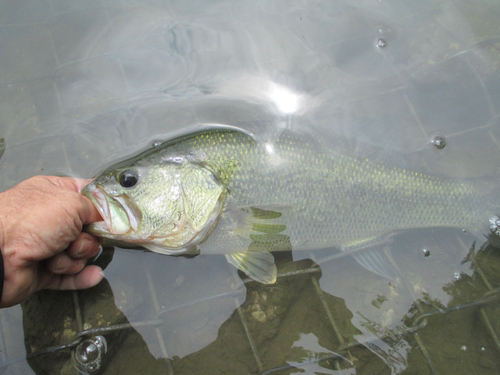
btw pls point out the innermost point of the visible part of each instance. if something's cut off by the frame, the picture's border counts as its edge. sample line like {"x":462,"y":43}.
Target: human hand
{"x":41,"y":237}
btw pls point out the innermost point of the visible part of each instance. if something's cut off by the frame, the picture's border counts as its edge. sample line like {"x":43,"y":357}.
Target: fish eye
{"x":128,"y":178}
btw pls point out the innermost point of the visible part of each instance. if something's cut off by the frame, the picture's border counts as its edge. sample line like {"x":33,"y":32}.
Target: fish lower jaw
{"x":101,"y":229}
{"x":98,"y":228}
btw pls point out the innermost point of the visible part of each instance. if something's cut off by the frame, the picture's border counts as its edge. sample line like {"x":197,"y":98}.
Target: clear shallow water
{"x":83,"y":84}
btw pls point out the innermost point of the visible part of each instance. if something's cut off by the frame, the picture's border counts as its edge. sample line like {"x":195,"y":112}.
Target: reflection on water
{"x":282,"y":328}
{"x":83,"y":84}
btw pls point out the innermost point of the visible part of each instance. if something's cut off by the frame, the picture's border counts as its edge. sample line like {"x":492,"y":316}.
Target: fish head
{"x":166,"y":206}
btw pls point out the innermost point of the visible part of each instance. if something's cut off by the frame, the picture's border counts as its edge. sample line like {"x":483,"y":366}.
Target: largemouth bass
{"x":221,"y":191}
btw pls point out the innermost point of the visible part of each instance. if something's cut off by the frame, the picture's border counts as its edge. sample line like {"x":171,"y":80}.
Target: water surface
{"x":85,"y":83}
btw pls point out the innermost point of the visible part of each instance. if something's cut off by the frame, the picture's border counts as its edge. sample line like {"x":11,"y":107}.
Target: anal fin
{"x":370,"y":254}
{"x":376,"y":261}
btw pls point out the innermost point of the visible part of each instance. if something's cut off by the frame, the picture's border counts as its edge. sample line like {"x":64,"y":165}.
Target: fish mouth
{"x":116,"y":216}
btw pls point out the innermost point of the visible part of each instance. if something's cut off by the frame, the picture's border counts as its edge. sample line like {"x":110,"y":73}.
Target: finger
{"x":87,"y":211}
{"x":62,"y":263}
{"x":89,"y":277}
{"x":90,"y":213}
{"x":80,"y":183}
{"x":85,"y":246}
{"x":73,"y":183}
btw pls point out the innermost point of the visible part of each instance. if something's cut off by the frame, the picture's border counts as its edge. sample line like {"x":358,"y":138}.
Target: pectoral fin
{"x":269,"y":238}
{"x":269,"y":212}
{"x":259,"y":266}
{"x":268,"y":228}
{"x":269,"y":219}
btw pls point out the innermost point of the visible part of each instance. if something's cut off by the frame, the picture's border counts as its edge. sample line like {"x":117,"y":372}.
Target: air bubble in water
{"x":381,"y":43}
{"x":384,"y":30}
{"x":439,"y":142}
{"x":426,"y":252}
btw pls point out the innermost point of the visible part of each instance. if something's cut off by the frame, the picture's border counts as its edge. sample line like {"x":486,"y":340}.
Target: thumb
{"x":72,"y":183}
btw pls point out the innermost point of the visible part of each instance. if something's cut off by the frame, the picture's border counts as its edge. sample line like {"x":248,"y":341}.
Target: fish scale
{"x":342,"y":199}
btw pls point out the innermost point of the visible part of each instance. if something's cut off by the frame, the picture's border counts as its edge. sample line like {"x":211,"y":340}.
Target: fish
{"x":223,"y":190}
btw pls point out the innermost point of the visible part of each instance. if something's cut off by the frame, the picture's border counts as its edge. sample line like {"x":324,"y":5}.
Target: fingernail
{"x":62,"y":263}
{"x":102,"y":273}
{"x":84,"y":244}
